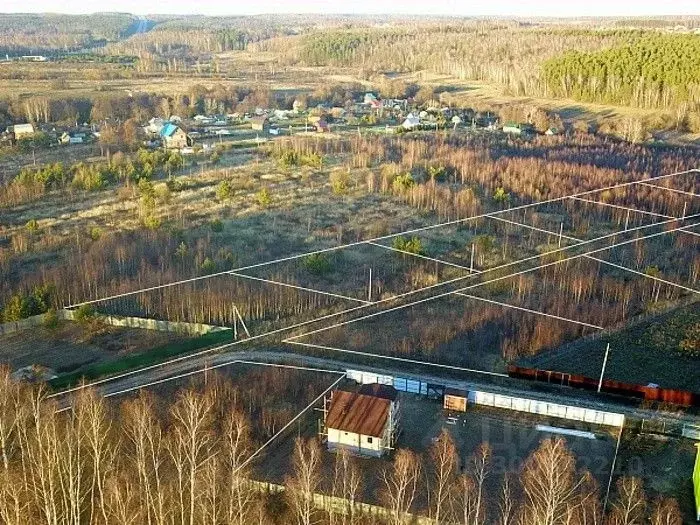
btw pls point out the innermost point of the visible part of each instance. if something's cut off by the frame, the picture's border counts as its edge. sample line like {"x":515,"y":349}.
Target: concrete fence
{"x":152,"y":324}
{"x":343,"y":506}
{"x":23,"y":324}
{"x":113,"y":320}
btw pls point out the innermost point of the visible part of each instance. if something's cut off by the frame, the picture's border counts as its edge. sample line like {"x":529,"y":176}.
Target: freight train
{"x":630,"y":390}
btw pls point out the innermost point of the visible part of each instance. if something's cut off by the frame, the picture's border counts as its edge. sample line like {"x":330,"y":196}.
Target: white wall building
{"x":364,"y":423}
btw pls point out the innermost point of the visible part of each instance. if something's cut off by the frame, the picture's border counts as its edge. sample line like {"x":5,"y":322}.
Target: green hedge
{"x":135,"y":361}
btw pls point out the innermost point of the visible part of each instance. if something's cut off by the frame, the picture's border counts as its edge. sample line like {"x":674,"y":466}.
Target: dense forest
{"x":654,"y":71}
{"x":141,"y":462}
{"x":48,"y":34}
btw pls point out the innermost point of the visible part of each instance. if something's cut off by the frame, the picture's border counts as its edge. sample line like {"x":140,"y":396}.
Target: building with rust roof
{"x":364,"y":423}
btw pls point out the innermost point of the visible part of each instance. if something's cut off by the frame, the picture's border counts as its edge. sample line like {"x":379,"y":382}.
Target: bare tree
{"x":666,"y":512}
{"x":465,"y":488}
{"x":480,"y":466}
{"x":145,"y":434}
{"x":550,"y":483}
{"x":347,"y":481}
{"x":301,"y":487}
{"x":506,"y":505}
{"x":237,"y":450}
{"x":190,"y":445}
{"x":401,"y":484}
{"x":630,"y":506}
{"x":444,"y":458}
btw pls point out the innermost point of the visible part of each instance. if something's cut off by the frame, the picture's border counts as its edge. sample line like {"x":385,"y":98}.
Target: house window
{"x":369,"y":440}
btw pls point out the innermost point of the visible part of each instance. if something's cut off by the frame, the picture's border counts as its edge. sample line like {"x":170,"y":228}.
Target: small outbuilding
{"x":455,"y":400}
{"x":259,"y":123}
{"x":365,"y":422}
{"x":23,"y":130}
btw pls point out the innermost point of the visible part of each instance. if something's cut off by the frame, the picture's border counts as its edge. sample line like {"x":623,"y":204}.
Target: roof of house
{"x":379,"y":390}
{"x":168,"y":130}
{"x":358,"y":413}
{"x":456,"y":392}
{"x":24,"y":127}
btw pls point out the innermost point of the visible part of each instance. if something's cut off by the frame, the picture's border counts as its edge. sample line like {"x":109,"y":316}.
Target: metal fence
{"x":519,"y":404}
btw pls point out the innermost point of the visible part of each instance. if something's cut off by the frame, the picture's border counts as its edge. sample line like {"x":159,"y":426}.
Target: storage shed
{"x":455,"y":400}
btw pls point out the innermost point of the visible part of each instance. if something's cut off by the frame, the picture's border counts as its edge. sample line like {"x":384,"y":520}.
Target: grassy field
{"x":648,"y":351}
{"x":665,"y":466}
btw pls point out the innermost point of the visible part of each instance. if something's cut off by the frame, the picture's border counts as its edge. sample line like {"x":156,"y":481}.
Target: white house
{"x":23,"y":130}
{"x":411,"y":122}
{"x":363,"y":422}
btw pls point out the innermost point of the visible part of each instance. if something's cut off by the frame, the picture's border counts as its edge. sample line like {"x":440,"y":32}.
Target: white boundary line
{"x":290,"y":423}
{"x":658,"y":279}
{"x":619,"y":207}
{"x":608,"y":263}
{"x":206,"y":369}
{"x":389,"y":236}
{"x":388,"y":299}
{"x":497,"y":279}
{"x":391,"y":248}
{"x":537,"y":312}
{"x":394,"y":358}
{"x":302,"y":288}
{"x":612,"y":468}
{"x":694,"y":195}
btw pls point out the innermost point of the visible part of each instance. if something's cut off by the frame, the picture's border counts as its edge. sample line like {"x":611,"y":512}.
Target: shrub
{"x":224,"y":191}
{"x":263,"y":198}
{"x":339,"y":182}
{"x":317,"y":264}
{"x":413,"y":245}
{"x":85,"y":314}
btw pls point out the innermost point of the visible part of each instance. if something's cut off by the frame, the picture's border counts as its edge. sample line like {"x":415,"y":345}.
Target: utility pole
{"x":602,"y":372}
{"x":561,"y":232}
{"x":369,"y":286}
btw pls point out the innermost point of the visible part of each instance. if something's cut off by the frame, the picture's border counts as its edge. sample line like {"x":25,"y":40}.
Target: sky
{"x":524,"y":8}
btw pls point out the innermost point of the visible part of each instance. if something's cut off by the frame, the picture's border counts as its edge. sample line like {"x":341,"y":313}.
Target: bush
{"x":317,"y":264}
{"x":216,"y":226}
{"x":263,"y":198}
{"x":413,"y":245}
{"x":85,"y":314}
{"x":224,"y":191}
{"x":50,"y":319}
{"x":340,"y":182}
{"x":152,"y":222}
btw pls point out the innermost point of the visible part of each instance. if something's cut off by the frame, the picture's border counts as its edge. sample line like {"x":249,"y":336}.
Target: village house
{"x":23,"y":130}
{"x":363,"y":422}
{"x":412,"y":122}
{"x":72,"y":138}
{"x":513,"y":128}
{"x":259,"y":123}
{"x":321,"y":126}
{"x":174,"y":137}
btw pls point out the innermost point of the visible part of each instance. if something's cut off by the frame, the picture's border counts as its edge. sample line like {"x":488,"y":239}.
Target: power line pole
{"x":602,"y":371}
{"x":369,"y":287}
